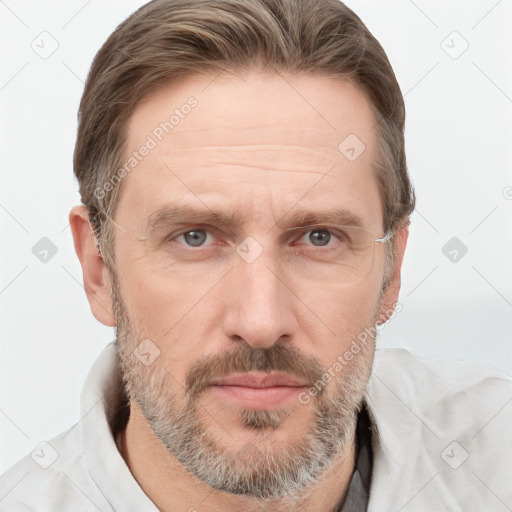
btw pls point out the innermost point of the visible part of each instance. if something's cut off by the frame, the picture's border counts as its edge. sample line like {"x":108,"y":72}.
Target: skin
{"x":264,"y":144}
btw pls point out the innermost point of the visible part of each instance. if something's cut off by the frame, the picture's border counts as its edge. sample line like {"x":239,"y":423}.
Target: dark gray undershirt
{"x":358,"y":492}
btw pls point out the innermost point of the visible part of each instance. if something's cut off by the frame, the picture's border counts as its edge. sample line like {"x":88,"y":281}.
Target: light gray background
{"x":459,"y":132}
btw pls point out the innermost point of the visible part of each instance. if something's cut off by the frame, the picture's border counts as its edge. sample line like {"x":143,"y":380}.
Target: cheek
{"x":157,"y":297}
{"x":149,"y":305}
{"x":336,"y":317}
{"x":176,"y":318}
{"x":340,"y":306}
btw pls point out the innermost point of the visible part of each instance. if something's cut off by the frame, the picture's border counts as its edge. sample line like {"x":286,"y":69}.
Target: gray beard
{"x":266,"y":474}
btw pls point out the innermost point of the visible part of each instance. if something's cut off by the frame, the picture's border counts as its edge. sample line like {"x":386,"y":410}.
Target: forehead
{"x":250,"y":139}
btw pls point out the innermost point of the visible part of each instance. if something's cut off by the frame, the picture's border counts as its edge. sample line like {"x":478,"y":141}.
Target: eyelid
{"x":184,"y":226}
{"x":178,"y":232}
{"x":328,"y":227}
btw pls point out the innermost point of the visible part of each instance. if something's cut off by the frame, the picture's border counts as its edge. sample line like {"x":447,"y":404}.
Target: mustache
{"x":279,"y":358}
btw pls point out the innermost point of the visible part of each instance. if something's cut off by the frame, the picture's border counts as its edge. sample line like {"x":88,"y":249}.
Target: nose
{"x":260,"y":304}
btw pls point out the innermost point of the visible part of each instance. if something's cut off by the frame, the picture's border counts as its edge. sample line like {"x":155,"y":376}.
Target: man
{"x":246,"y":205}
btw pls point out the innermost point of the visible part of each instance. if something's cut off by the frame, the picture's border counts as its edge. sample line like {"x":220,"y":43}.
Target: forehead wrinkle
{"x":273,"y":157}
{"x":263,"y":168}
{"x":292,"y":149}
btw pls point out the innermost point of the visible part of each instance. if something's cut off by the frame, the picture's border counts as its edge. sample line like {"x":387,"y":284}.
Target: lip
{"x":254,"y":380}
{"x":258,"y":391}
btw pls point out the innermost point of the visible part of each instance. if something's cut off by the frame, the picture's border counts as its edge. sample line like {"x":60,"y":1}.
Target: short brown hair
{"x":168,"y":40}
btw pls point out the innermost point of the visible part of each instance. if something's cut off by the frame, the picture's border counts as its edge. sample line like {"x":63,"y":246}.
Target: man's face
{"x":218,"y":300}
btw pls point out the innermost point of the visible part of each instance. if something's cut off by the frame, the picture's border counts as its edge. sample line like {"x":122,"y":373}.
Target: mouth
{"x":258,"y":391}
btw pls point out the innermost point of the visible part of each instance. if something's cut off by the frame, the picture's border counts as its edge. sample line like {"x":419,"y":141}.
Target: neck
{"x":171,"y":487}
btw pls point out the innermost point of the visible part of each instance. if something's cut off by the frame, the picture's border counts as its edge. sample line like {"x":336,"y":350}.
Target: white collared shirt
{"x":441,"y":441}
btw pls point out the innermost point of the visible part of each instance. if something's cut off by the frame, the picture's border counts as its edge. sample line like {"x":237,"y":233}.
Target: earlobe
{"x":390,"y":295}
{"x":95,"y":273}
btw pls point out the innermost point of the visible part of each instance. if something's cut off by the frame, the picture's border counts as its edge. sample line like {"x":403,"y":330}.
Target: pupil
{"x":195,"y":238}
{"x":320,"y":237}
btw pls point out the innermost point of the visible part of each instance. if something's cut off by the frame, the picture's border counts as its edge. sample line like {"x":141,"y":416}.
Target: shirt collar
{"x":100,"y":402}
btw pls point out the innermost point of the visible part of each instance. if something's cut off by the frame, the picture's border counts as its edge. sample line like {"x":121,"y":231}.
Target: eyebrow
{"x":170,"y":214}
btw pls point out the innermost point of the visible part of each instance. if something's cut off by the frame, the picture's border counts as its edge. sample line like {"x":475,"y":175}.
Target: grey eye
{"x":319,"y":237}
{"x":195,"y":238}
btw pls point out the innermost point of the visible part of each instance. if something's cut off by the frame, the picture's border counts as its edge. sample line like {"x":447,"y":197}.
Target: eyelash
{"x":333,"y":232}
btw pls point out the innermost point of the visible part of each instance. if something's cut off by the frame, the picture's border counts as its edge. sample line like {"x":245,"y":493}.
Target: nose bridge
{"x":259,"y":309}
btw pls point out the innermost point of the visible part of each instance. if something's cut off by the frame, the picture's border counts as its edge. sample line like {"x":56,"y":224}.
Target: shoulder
{"x":446,"y":394}
{"x":53,"y":477}
{"x":442,"y":432}
{"x":441,"y":377}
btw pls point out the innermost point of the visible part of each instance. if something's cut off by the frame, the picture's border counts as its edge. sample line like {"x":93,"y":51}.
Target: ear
{"x":95,"y":273}
{"x":390,"y":295}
